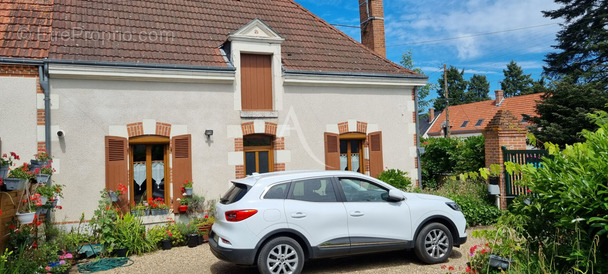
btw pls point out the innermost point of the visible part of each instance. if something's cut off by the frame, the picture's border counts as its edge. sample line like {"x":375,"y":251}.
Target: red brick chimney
{"x":499,"y":94}
{"x":431,"y":114}
{"x":371,"y":13}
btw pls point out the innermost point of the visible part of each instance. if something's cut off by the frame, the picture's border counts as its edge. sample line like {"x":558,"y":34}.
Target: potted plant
{"x":204,"y":225}
{"x":44,"y":173}
{"x":6,"y":161}
{"x":166,"y":241}
{"x":139,"y":209}
{"x":115,"y":195}
{"x":187,"y":188}
{"x":492,"y":174}
{"x":183,"y":204}
{"x":190,"y":232}
{"x":26,"y":211}
{"x":17,"y":178}
{"x":41,"y":159}
{"x":158,"y":206}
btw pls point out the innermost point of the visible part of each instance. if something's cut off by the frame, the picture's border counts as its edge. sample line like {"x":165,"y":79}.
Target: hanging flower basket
{"x":3,"y":171}
{"x":42,"y":178}
{"x":11,"y":184}
{"x":113,"y":196}
{"x":26,"y":218}
{"x":188,"y":191}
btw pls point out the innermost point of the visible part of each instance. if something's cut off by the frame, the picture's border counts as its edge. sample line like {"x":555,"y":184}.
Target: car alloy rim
{"x":282,"y":259}
{"x":436,"y":243}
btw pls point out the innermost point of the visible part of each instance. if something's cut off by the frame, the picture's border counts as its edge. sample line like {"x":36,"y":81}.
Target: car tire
{"x":281,"y":255}
{"x":434,"y":243}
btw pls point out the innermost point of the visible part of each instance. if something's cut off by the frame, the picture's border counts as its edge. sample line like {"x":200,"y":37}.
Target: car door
{"x":374,"y":222}
{"x":313,"y":209}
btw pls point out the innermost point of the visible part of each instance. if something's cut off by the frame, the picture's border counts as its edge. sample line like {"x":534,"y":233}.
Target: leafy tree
{"x":457,"y":87}
{"x":582,"y":43}
{"x":423,"y":92}
{"x":479,"y":87}
{"x":516,"y":82}
{"x":562,"y":113}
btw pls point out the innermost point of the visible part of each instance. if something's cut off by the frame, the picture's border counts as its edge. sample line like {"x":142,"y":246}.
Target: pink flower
{"x":48,"y":268}
{"x":68,"y":256}
{"x":62,"y":262}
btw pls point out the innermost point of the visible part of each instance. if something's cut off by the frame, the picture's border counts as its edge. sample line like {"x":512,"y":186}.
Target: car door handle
{"x":298,"y":215}
{"x":357,"y":214}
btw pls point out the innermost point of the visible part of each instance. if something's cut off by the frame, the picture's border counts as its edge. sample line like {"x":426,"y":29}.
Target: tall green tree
{"x":407,"y":62}
{"x":479,"y":87}
{"x":457,"y":87}
{"x":582,"y":43}
{"x":515,"y":81}
{"x":563,"y":111}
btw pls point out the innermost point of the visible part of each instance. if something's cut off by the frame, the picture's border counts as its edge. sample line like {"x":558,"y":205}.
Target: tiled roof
{"x":473,"y":112}
{"x":23,"y":28}
{"x":186,"y":32}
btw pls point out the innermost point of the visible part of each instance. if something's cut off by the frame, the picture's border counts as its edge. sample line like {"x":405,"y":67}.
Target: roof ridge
{"x":351,"y":39}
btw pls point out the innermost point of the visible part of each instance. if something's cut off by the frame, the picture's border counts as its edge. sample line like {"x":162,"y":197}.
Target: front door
{"x":148,"y":171}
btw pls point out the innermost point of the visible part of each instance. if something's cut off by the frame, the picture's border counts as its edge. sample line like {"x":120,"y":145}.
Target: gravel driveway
{"x":200,"y":260}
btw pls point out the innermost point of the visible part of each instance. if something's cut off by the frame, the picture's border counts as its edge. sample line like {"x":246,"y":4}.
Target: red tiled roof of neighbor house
{"x":473,"y":112}
{"x":186,"y":32}
{"x":23,"y":28}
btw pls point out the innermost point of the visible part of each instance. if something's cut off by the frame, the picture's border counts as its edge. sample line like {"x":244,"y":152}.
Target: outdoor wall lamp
{"x":208,"y":133}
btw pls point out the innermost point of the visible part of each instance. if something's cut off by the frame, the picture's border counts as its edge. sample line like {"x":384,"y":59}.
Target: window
{"x":313,"y":190}
{"x":479,"y":122}
{"x":277,"y":191}
{"x":234,"y":194}
{"x":351,"y":155}
{"x":258,"y":154}
{"x":357,"y":190}
{"x":464,"y":124}
{"x":148,"y":167}
{"x":256,"y":82}
{"x":346,"y":152}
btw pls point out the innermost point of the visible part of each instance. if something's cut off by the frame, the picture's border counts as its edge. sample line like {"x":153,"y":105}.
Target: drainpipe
{"x":43,"y":72}
{"x":419,"y":169}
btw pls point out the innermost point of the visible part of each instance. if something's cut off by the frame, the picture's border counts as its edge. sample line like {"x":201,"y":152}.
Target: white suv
{"x":278,"y":220}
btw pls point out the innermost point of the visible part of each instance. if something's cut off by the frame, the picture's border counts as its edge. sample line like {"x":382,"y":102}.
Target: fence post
{"x":503,"y":130}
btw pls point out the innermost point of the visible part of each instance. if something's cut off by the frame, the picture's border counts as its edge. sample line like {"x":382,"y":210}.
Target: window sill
{"x":259,"y":114}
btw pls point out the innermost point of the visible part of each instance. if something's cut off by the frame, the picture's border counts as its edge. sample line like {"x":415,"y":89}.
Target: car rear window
{"x":234,"y":194}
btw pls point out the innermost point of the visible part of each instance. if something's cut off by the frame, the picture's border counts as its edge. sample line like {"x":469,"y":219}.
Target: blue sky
{"x":487,"y":34}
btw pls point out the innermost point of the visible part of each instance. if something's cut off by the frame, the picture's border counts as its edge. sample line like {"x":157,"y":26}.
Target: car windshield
{"x":234,"y":194}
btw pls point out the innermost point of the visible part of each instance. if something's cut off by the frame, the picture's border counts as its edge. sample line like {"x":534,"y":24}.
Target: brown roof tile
{"x":473,"y":112}
{"x":184,"y":32}
{"x":24,"y":27}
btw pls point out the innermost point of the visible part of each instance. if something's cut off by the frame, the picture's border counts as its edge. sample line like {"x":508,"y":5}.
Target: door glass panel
{"x":158,"y":171}
{"x":263,"y":157}
{"x":139,"y":173}
{"x":250,"y":163}
{"x":343,"y":155}
{"x":354,"y":162}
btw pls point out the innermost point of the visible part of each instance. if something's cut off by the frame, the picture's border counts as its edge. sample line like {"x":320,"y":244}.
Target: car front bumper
{"x":236,"y":256}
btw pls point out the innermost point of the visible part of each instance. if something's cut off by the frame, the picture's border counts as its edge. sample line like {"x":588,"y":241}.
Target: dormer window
{"x":464,"y":124}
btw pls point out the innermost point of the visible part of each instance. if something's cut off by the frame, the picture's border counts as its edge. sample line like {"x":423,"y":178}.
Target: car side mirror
{"x":395,"y":196}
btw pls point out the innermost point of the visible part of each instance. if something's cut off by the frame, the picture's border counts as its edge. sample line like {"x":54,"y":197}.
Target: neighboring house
{"x":152,"y":93}
{"x":470,"y":119}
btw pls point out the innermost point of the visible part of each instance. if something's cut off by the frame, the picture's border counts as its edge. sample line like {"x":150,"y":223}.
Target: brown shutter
{"x":182,"y":165}
{"x":332,"y":151}
{"x":256,"y":82}
{"x":376,"y":164}
{"x":116,"y":166}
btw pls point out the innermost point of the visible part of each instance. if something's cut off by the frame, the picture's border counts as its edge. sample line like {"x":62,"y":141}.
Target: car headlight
{"x":453,"y":205}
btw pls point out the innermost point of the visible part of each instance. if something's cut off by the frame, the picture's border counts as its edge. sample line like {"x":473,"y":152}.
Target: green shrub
{"x":472,"y":196}
{"x":396,"y":178}
{"x":567,"y":210}
{"x":130,"y":233}
{"x":447,"y":156}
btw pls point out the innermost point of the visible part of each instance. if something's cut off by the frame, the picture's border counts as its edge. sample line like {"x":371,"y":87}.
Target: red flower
{"x":0,"y":212}
{"x":529,"y":191}
{"x":206,"y":216}
{"x":444,"y":266}
{"x":450,"y":268}
{"x":107,"y":208}
{"x":467,"y":270}
{"x":59,"y":207}
{"x":483,"y":251}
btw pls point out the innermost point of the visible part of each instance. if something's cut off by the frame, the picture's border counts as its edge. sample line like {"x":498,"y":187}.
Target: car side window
{"x":278,"y":191}
{"x":313,"y":190}
{"x":357,"y":190}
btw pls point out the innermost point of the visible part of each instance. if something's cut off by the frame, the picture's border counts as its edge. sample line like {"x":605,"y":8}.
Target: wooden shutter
{"x":182,"y":165}
{"x":332,"y":151}
{"x":256,"y":82}
{"x":376,"y":164}
{"x":117,"y":166}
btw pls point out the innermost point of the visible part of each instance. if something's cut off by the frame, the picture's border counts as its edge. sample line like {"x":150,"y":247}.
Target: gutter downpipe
{"x":43,"y":72}
{"x":419,"y":169}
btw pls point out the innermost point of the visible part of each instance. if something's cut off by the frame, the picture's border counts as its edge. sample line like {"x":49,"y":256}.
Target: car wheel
{"x":434,"y":243}
{"x":281,"y":255}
